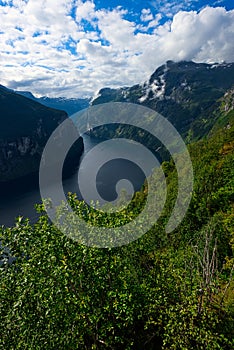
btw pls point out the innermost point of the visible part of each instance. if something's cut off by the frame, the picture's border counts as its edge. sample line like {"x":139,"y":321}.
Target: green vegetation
{"x":172,"y":291}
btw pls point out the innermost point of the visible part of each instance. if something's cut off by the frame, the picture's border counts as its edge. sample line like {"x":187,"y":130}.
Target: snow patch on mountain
{"x":95,"y":96}
{"x":154,"y":90}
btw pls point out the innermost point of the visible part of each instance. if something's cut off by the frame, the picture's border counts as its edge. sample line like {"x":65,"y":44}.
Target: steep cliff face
{"x":18,"y":157}
{"x":25,"y":128}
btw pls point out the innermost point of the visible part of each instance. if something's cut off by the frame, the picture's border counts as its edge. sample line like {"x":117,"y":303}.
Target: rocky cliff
{"x":26,"y":126}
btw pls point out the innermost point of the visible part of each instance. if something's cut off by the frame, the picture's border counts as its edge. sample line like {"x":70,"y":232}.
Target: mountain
{"x":163,"y":291}
{"x":186,"y":93}
{"x":26,"y":126}
{"x":69,"y":105}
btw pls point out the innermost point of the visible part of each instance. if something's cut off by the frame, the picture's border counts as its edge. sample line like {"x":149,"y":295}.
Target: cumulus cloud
{"x":204,"y":36}
{"x":85,"y":10}
{"x":79,"y":49}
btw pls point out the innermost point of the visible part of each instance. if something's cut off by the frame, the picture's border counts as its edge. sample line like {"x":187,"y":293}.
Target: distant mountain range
{"x":186,"y":93}
{"x":69,"y":105}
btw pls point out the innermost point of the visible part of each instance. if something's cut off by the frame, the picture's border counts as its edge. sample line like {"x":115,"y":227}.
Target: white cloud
{"x":155,"y":21}
{"x":85,"y":10}
{"x":115,"y":29}
{"x":204,"y":36}
{"x":52,"y":52}
{"x":146,"y":15}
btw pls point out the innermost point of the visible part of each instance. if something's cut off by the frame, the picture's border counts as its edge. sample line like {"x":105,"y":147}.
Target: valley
{"x":164,"y":290}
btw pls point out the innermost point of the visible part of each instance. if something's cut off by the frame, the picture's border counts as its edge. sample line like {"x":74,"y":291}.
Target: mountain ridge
{"x":69,"y":105}
{"x":26,"y":126}
{"x":183,"y":92}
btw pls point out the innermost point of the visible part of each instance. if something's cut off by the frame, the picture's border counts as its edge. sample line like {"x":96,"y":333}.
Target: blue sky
{"x":73,"y":48}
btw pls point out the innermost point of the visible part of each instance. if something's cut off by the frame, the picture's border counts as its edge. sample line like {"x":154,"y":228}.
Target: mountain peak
{"x":181,"y":91}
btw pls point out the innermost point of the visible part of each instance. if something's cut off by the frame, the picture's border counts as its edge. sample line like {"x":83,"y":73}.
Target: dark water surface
{"x":20,"y":200}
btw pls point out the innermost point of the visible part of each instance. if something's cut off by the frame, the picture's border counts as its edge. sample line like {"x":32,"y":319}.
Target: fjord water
{"x":20,"y":200}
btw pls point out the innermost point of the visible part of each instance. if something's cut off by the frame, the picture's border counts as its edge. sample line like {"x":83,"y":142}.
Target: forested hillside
{"x":163,"y":291}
